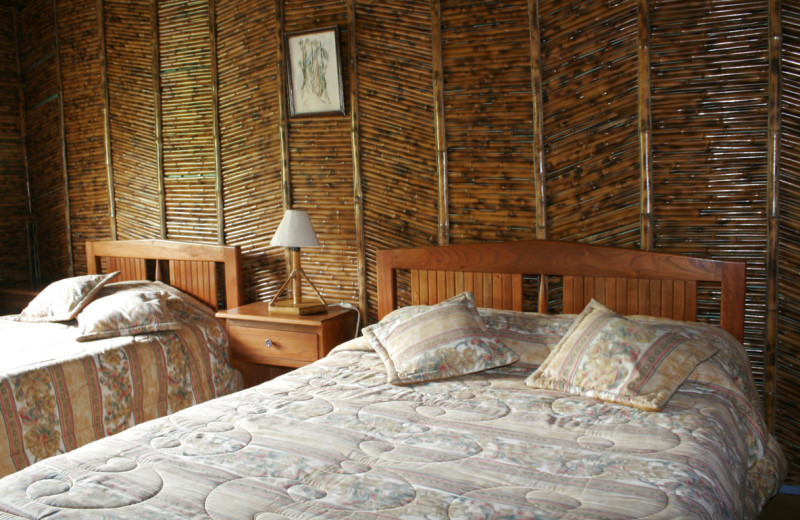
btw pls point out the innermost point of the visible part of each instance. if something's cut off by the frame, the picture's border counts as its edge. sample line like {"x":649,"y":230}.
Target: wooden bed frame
{"x":627,"y":280}
{"x":190,"y":267}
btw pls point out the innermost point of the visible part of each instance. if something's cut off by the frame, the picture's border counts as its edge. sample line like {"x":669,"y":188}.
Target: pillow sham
{"x":126,"y":313}
{"x":64,"y":299}
{"x":441,"y":341}
{"x":612,"y":358}
{"x":531,"y":335}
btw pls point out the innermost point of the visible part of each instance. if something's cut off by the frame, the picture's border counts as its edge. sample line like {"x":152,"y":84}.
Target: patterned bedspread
{"x":57,"y":393}
{"x":334,"y":440}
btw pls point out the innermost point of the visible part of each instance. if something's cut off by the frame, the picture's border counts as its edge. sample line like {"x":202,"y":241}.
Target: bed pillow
{"x":126,"y":313}
{"x":609,"y":357}
{"x":64,"y":299}
{"x":445,"y":340}
{"x":531,"y":335}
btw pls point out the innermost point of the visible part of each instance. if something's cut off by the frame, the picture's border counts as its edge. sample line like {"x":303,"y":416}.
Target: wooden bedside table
{"x":14,"y":298}
{"x":265,"y":345}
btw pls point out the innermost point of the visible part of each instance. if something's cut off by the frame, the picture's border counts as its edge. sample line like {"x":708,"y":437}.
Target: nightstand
{"x":15,"y":298}
{"x":264,"y":345}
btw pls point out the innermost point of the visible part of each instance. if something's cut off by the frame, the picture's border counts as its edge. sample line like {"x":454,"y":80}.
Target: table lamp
{"x":295,"y":231}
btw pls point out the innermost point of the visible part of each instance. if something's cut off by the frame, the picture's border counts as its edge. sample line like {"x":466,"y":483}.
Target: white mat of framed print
{"x":315,"y":72}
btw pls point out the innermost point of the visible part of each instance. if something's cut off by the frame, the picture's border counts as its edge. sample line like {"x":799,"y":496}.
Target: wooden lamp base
{"x":297,"y":309}
{"x":297,"y":306}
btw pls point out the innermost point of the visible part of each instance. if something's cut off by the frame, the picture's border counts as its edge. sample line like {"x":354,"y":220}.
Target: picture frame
{"x":315,"y":72}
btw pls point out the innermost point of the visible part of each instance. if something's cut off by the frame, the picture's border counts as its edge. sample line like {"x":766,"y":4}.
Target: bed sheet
{"x":334,"y":440}
{"x":57,"y":393}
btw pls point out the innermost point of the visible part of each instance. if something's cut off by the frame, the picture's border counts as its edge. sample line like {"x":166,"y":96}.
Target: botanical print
{"x":312,"y":64}
{"x":315,"y":76}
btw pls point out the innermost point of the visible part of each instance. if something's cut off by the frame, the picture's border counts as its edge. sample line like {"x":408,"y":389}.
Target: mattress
{"x":57,"y":393}
{"x":335,"y":440}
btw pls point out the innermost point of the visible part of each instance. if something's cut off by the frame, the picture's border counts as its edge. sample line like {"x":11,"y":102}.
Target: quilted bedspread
{"x":57,"y":393}
{"x":334,"y":440}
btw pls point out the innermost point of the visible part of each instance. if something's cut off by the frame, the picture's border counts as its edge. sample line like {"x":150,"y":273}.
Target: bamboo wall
{"x":660,"y":124}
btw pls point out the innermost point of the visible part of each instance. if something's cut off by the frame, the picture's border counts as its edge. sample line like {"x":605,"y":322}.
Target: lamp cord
{"x":348,"y":305}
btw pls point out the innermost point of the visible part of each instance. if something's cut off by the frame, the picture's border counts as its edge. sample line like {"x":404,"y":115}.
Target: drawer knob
{"x":268,"y":343}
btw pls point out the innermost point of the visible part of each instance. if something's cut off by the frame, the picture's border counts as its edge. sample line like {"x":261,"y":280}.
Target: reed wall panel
{"x":787,"y":425}
{"x":83,"y":124}
{"x":251,"y":158}
{"x":488,"y":112}
{"x":14,"y":267}
{"x":590,"y":134}
{"x":131,"y":90}
{"x":43,"y":117}
{"x":398,"y":136}
{"x":709,"y":111}
{"x":187,"y":122}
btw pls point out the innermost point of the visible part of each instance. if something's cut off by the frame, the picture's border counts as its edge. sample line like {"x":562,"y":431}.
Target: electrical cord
{"x":348,"y":305}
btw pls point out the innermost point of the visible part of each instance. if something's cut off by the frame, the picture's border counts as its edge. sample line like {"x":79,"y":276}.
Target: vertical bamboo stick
{"x":645,"y":128}
{"x":439,"y":121}
{"x":358,"y":193}
{"x":538,"y":120}
{"x":773,"y":173}
{"x":280,"y":79}
{"x":539,"y":182}
{"x":212,"y":35}
{"x":156,"y":70}
{"x":101,"y":35}
{"x":63,"y":135}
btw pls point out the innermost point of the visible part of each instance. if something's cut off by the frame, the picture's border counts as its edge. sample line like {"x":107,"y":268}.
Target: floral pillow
{"x":609,"y":357}
{"x":126,"y":313}
{"x":64,"y":299}
{"x":445,"y":340}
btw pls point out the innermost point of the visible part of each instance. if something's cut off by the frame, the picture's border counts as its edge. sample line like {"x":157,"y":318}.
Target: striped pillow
{"x":609,"y":357}
{"x":445,"y":340}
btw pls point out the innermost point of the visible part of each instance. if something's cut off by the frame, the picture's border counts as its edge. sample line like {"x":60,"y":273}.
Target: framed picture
{"x":315,"y":72}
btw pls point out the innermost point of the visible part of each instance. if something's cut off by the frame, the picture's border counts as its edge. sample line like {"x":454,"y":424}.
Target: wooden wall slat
{"x":251,"y":170}
{"x":398,"y":153}
{"x":703,"y":128}
{"x":488,"y":106}
{"x":589,"y":63}
{"x":134,"y":150}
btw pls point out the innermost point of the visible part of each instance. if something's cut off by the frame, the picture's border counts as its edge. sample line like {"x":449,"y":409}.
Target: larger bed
{"x":459,"y":405}
{"x":134,"y":339}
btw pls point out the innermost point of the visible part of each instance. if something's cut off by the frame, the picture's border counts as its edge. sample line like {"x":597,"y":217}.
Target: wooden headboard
{"x":627,"y":280}
{"x":192,"y":268}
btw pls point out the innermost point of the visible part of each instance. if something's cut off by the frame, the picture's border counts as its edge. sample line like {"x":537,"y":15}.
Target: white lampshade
{"x":295,"y":230}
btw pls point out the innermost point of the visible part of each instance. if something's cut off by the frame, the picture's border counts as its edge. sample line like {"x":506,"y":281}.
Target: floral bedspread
{"x":57,"y":393}
{"x":334,"y":440}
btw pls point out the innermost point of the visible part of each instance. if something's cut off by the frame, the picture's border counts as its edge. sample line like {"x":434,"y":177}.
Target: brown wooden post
{"x":439,"y":122}
{"x":645,"y":128}
{"x":355,"y":139}
{"x":212,"y":33}
{"x":156,"y":72}
{"x":773,"y":176}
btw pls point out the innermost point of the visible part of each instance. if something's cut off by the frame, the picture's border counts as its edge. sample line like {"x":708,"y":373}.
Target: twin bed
{"x":95,"y":354}
{"x":458,"y":404}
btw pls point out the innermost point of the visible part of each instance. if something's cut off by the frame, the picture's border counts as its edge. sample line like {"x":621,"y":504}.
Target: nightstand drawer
{"x":250,"y":344}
